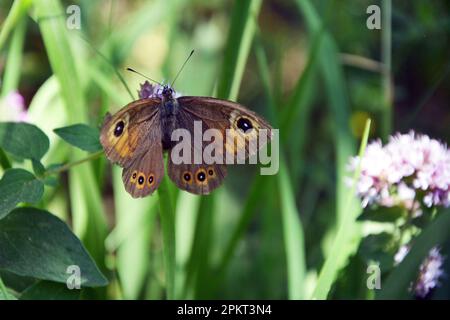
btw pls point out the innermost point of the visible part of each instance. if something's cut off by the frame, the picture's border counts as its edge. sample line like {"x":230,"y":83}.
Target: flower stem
{"x":167,"y":218}
{"x":68,"y":166}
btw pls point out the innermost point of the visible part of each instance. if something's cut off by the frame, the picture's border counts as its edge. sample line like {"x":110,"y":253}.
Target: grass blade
{"x":240,"y":37}
{"x":13,"y":66}
{"x":386,"y":57}
{"x":293,"y":235}
{"x":17,"y":11}
{"x":338,"y":252}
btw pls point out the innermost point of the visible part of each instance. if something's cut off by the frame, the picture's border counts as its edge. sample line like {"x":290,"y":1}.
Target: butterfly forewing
{"x":123,"y":135}
{"x":240,"y":128}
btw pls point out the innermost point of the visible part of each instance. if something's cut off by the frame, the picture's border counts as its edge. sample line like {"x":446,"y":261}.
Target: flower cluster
{"x":12,"y":107}
{"x":149,"y":91}
{"x":409,"y":169}
{"x":430,"y":271}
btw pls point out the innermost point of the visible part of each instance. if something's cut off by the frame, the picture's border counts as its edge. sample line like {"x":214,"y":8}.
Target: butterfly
{"x":136,"y":137}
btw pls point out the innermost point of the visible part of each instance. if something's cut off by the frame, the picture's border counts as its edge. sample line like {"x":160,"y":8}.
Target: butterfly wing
{"x":145,"y":173}
{"x":124,"y":135}
{"x":132,"y":139}
{"x":239,"y":126}
{"x":227,"y":117}
{"x":197,"y":178}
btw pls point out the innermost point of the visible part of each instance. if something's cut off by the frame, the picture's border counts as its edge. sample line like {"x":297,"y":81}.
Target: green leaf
{"x":18,"y":185}
{"x":14,"y":282}
{"x":23,"y":140}
{"x":81,"y":136}
{"x":38,"y":167}
{"x":48,"y":290}
{"x":37,"y":244}
{"x":381,"y":214}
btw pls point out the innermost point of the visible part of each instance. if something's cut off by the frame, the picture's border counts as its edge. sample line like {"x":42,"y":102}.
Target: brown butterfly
{"x":137,"y":135}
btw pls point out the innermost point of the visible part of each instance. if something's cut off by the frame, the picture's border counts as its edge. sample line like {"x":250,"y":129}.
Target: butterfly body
{"x":138,"y":134}
{"x":169,"y":109}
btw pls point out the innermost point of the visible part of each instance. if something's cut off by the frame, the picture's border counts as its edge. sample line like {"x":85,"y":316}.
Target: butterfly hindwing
{"x":143,"y":176}
{"x":197,"y":178}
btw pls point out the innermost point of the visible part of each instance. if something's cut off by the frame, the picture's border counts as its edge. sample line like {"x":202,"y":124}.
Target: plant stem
{"x":18,"y":9}
{"x":167,"y":217}
{"x":72,"y":164}
{"x":386,"y":54}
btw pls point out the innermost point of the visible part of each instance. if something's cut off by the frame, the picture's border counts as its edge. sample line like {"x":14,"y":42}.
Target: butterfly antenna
{"x":142,"y":75}
{"x":181,"y":69}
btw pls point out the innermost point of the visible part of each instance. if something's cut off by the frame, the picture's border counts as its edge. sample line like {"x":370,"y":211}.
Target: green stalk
{"x":167,"y":218}
{"x":17,"y":11}
{"x":293,"y":235}
{"x":240,"y":37}
{"x":14,"y":60}
{"x":330,"y":269}
{"x":386,"y":57}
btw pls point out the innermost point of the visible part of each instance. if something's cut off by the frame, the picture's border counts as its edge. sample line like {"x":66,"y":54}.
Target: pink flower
{"x":12,"y":108}
{"x":392,"y":174}
{"x":149,"y":90}
{"x":430,"y":271}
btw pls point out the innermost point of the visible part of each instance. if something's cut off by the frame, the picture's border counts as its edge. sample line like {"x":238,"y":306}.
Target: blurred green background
{"x":312,"y":68}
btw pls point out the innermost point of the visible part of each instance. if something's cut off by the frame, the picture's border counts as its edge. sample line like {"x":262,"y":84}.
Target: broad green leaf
{"x":23,"y":140}
{"x":48,"y":290}
{"x":14,"y":282}
{"x":381,"y":214}
{"x":18,"y":185}
{"x":37,"y":244}
{"x":81,"y":136}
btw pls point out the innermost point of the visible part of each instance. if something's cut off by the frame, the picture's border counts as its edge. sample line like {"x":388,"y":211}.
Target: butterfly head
{"x":167,"y":92}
